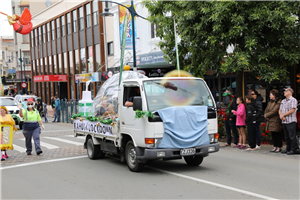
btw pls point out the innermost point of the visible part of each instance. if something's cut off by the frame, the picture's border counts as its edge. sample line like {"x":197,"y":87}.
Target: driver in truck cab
{"x":129,"y":102}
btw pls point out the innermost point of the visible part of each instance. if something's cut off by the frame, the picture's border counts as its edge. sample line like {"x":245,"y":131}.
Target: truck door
{"x":127,"y":119}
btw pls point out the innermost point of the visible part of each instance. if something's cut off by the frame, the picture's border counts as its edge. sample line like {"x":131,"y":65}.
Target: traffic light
{"x":3,"y":80}
{"x":26,"y":79}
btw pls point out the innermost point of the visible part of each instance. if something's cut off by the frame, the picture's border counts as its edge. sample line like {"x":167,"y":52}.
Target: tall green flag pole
{"x":123,"y":47}
{"x":176,"y":47}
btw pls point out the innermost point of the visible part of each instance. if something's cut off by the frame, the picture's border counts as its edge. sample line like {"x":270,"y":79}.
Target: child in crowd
{"x":250,"y":121}
{"x":240,"y":122}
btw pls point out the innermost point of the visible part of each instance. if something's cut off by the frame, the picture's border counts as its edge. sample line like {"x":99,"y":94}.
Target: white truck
{"x":137,"y":141}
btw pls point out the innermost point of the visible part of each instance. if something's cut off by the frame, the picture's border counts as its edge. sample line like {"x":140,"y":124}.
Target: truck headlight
{"x":213,"y":137}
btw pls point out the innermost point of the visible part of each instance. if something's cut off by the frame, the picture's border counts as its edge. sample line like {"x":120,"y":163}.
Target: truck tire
{"x":131,"y":160}
{"x":92,"y":150}
{"x":193,"y":160}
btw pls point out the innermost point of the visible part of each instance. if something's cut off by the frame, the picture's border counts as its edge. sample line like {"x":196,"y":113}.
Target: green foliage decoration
{"x":139,"y":114}
{"x":264,"y":35}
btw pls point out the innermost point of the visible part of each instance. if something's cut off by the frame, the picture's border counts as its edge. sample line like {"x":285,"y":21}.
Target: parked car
{"x":11,"y":105}
{"x":20,"y":98}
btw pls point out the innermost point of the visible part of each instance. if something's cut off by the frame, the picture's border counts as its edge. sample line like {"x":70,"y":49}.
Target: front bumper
{"x":144,"y":154}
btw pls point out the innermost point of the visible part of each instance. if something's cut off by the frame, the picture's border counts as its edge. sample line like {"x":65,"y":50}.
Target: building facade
{"x":7,"y":60}
{"x":69,"y":43}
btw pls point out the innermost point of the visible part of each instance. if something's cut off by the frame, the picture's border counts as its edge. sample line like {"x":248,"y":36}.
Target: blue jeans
{"x":57,"y":115}
{"x":258,"y":134}
{"x":230,"y":126}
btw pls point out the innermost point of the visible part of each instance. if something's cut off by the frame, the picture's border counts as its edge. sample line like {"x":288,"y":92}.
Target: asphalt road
{"x":229,"y":174}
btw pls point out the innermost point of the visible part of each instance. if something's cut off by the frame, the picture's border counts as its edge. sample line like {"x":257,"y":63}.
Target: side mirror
{"x":137,"y":103}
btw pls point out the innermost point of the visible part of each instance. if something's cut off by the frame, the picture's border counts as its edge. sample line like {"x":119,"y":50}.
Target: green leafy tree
{"x":265,"y":35}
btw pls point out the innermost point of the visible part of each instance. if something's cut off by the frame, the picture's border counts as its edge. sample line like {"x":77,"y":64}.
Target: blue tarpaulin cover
{"x":185,"y":126}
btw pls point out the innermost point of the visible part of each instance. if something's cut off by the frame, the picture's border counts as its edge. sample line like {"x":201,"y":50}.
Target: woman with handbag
{"x":31,"y":126}
{"x":273,"y":122}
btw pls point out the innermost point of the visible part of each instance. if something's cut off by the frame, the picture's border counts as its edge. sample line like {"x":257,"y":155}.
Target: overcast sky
{"x":5,"y":28}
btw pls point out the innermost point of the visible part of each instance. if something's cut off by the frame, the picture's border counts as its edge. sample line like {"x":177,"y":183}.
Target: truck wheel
{"x":131,"y":159}
{"x":193,"y":160}
{"x":92,"y":150}
{"x":21,"y":126}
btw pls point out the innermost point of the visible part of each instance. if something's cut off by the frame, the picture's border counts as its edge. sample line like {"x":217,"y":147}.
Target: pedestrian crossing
{"x":48,"y":143}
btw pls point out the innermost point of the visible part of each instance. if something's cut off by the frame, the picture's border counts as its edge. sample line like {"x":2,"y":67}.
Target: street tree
{"x":264,"y":35}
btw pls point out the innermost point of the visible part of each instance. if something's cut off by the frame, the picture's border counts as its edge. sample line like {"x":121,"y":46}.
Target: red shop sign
{"x":50,"y":78}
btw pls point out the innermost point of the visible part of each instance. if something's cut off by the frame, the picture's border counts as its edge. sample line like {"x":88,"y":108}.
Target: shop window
{"x":82,"y":60}
{"x":71,"y":62}
{"x":76,"y":62}
{"x":88,"y":15}
{"x":110,"y":48}
{"x":97,"y":56}
{"x":74,"y":21}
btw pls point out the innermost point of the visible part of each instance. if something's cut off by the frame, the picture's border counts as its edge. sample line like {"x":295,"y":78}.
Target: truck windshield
{"x":8,"y":102}
{"x":176,"y":92}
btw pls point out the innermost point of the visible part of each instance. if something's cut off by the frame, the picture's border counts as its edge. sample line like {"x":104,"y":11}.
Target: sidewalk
{"x":264,"y":150}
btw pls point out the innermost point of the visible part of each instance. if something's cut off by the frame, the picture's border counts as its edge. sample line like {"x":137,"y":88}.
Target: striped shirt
{"x":285,"y":106}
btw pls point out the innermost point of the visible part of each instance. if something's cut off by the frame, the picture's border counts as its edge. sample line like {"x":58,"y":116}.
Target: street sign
{"x":24,"y":85}
{"x":109,"y":74}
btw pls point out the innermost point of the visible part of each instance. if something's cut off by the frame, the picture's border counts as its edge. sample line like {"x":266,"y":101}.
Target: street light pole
{"x":20,"y":59}
{"x":133,"y":14}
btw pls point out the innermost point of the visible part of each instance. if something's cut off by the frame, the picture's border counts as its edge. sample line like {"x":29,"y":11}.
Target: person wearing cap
{"x":287,"y":114}
{"x":31,"y":126}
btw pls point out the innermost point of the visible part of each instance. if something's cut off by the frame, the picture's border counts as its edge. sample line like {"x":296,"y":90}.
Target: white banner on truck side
{"x":92,"y":127}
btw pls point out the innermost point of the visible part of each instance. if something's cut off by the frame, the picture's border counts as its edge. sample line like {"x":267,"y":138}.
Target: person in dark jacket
{"x":53,"y":105}
{"x":258,"y":99}
{"x":230,"y":122}
{"x":251,"y":122}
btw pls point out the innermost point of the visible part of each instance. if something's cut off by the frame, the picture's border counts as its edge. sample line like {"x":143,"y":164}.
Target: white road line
{"x":41,"y":162}
{"x":215,"y":184}
{"x":18,"y":148}
{"x":72,"y":136}
{"x":44,"y":144}
{"x":63,"y":140}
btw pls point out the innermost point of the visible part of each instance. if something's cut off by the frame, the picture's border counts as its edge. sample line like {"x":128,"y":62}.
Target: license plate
{"x":187,"y":152}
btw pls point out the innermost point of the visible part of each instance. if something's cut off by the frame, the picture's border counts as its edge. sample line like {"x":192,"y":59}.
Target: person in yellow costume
{"x":6,"y":133}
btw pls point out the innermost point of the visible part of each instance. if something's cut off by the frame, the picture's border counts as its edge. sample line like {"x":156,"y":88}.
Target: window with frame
{"x":110,"y":48}
{"x":68,"y":23}
{"x":48,"y":32}
{"x":57,"y":28}
{"x":25,"y":38}
{"x":40,"y":35}
{"x":62,"y":19}
{"x":23,"y":8}
{"x":88,"y":15}
{"x":153,"y":30}
{"x":43,"y":33}
{"x":52,"y":29}
{"x":32,"y":42}
{"x":81,"y":18}
{"x":74,"y":13}
{"x":95,"y":12}
{"x":26,"y":57}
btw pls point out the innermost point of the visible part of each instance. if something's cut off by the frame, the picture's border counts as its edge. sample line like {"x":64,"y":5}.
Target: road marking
{"x":214,"y":184}
{"x":41,"y":162}
{"x":63,"y":140}
{"x":44,"y":144}
{"x":72,"y":136}
{"x":18,"y":148}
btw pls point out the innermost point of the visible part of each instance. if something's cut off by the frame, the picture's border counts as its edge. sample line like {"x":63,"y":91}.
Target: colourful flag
{"x":123,"y":47}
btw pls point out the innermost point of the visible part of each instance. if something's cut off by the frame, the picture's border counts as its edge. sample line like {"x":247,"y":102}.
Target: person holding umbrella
{"x":31,"y":126}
